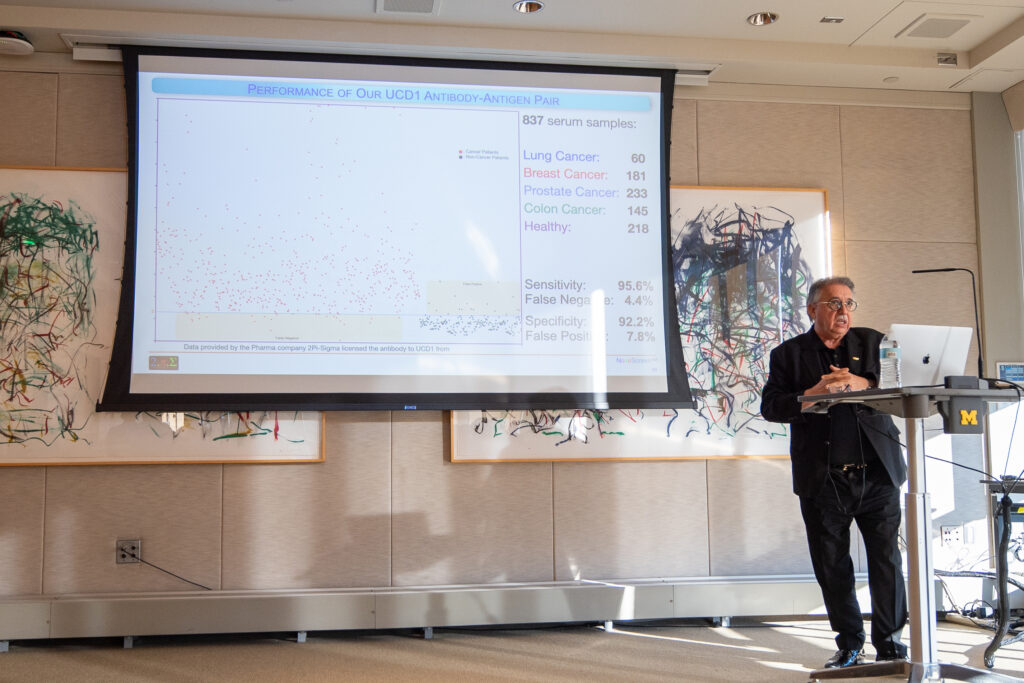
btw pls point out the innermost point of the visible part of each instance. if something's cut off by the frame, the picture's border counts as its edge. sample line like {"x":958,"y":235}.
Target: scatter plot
{"x":253,"y":232}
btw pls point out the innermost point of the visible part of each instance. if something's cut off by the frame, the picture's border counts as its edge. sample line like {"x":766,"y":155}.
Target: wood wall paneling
{"x":620,"y":520}
{"x":27,"y":134}
{"x":22,"y":496}
{"x":466,"y":522}
{"x":174,"y":509}
{"x":91,"y":122}
{"x":314,"y":525}
{"x":754,"y":519}
{"x":769,"y":144}
{"x":908,"y":175}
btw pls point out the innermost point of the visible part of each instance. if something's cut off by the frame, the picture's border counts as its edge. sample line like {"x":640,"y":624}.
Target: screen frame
{"x":117,"y":394}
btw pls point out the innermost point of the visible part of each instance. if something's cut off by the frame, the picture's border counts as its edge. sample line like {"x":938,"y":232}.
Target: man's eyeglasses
{"x":837,"y":304}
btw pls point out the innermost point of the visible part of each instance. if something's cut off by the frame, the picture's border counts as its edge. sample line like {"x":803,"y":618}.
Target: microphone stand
{"x":977,"y":319}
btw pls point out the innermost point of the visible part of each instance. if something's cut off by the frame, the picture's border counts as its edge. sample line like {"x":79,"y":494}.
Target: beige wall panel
{"x":839,"y":264}
{"x":755,"y":521}
{"x":467,"y":522}
{"x":889,"y":293}
{"x":682,"y":156}
{"x":314,"y":525}
{"x":91,"y":128}
{"x":27,"y":130}
{"x":769,"y":144}
{"x":908,"y":174}
{"x":22,"y":492}
{"x":1013,"y":100}
{"x":1000,"y":240}
{"x":621,"y":520}
{"x":174,"y":509}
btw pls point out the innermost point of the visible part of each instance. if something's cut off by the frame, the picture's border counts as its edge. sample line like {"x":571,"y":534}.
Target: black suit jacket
{"x":793,"y":368}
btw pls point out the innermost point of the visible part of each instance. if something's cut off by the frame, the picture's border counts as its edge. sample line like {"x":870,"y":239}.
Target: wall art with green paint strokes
{"x":61,"y":246}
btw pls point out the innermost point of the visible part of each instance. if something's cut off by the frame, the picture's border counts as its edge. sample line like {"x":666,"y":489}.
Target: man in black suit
{"x":847,"y":467}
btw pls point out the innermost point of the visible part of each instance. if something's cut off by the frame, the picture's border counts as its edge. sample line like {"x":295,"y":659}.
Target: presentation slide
{"x":360,"y":228}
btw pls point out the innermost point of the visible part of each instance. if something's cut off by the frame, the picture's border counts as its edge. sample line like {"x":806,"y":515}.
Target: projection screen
{"x":334,"y":232}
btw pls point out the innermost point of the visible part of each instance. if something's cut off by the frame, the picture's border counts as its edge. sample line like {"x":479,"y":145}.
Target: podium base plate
{"x":914,"y":672}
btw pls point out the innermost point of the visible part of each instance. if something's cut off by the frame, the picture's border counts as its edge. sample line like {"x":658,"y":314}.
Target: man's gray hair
{"x":818,"y":285}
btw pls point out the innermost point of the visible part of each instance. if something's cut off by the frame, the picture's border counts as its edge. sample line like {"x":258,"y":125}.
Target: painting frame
{"x":61,"y":260}
{"x":800,"y":215}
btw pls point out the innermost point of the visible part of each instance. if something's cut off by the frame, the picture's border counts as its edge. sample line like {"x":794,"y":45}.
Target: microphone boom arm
{"x":977,"y":319}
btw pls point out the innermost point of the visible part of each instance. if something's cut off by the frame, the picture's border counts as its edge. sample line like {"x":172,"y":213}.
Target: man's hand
{"x":839,"y":379}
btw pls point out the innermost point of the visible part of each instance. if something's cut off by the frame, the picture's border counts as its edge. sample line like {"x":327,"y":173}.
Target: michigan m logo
{"x":969,"y":417}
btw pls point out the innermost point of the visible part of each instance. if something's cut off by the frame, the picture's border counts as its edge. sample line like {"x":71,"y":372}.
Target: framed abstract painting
{"x":743,"y":259}
{"x":62,"y":235}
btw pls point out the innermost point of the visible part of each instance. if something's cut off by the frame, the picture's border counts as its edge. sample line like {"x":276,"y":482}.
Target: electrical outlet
{"x":952,"y":535}
{"x":129,"y":551}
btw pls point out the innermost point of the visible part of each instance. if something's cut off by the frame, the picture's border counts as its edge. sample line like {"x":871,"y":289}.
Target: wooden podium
{"x":914,"y":404}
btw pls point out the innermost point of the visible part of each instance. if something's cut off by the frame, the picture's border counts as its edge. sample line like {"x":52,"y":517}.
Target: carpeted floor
{"x":691,"y":650}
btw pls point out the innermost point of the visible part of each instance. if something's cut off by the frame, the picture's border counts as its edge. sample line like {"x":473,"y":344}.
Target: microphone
{"x":977,"y":319}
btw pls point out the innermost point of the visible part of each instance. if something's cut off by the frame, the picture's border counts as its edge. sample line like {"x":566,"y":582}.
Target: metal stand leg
{"x":4,"y":645}
{"x":300,"y":637}
{"x":1002,"y":569}
{"x":609,"y":626}
{"x":428,"y":632}
{"x":129,"y":642}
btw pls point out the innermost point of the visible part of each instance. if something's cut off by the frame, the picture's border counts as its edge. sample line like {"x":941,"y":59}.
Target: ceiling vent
{"x":935,"y":25}
{"x":408,"y":6}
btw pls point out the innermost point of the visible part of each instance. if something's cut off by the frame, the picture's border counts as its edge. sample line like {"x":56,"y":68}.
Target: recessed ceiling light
{"x":762,"y":18}
{"x":14,"y":43}
{"x":528,"y":6}
{"x":891,"y":79}
{"x":832,"y":20}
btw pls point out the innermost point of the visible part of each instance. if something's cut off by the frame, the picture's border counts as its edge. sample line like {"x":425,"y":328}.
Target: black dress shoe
{"x":845,"y":658}
{"x":891,"y":655}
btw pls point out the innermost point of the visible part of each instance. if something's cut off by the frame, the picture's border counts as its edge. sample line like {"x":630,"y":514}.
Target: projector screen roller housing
{"x":327,"y":232}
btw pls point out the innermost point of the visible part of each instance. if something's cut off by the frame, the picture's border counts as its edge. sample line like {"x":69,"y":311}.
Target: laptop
{"x":930,"y":352}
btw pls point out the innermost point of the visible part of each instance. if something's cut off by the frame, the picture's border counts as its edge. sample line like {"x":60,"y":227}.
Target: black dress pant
{"x":867,"y":497}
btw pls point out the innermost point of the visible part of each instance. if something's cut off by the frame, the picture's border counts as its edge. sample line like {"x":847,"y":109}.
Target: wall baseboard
{"x":196,"y":612}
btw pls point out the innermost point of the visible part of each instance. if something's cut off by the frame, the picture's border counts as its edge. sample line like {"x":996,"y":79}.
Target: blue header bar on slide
{"x":400,"y":94}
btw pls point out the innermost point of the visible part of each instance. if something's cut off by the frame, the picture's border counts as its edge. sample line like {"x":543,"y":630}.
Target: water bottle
{"x":889,"y":359}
